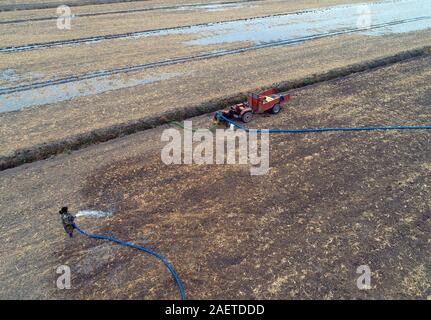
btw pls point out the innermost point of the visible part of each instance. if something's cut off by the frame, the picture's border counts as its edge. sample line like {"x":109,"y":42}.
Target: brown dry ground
{"x":89,"y":3}
{"x":120,"y":52}
{"x":215,"y":78}
{"x":330,"y":203}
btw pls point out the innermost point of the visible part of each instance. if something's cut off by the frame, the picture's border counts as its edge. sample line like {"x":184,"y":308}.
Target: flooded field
{"x":381,"y":17}
{"x":250,"y":34}
{"x":406,"y":16}
{"x":93,"y":214}
{"x":329,"y":203}
{"x":65,"y":91}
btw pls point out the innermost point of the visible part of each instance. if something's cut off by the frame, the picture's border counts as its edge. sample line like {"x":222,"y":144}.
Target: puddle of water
{"x":308,"y":23}
{"x":213,"y":7}
{"x":289,"y":26}
{"x":62,"y":92}
{"x":94,"y":214}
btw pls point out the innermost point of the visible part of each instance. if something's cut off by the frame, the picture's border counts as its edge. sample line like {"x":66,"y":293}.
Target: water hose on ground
{"x":131,"y":245}
{"x":220,"y":116}
{"x":180,"y":125}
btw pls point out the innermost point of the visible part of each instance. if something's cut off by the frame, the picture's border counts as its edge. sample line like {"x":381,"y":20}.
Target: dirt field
{"x":165,"y":88}
{"x":44,"y":31}
{"x":329,"y":203}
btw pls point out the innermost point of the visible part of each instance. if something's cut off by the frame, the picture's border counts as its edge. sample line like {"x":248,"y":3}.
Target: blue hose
{"x":127,"y":244}
{"x":219,"y":115}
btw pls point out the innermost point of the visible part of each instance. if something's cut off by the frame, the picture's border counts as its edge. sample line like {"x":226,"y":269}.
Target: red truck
{"x":257,"y":103}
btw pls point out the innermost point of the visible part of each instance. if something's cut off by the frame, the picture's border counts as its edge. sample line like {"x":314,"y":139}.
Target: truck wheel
{"x":246,"y":117}
{"x":275,"y":109}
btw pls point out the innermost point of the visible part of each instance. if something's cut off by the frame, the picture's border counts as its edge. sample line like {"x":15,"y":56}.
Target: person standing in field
{"x":67,"y":220}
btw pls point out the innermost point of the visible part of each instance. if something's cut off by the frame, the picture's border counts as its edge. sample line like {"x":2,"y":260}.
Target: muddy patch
{"x":95,"y":259}
{"x":67,"y":91}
